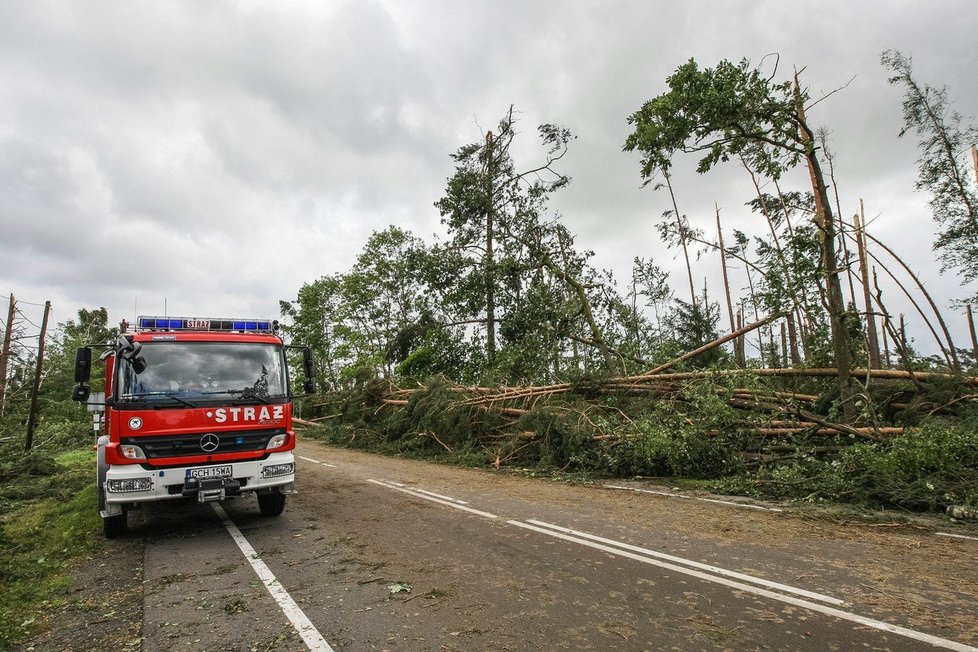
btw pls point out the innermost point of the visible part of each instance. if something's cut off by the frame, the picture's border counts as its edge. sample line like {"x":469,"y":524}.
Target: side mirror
{"x":138,"y":364}
{"x":83,"y":364}
{"x":80,"y":393}
{"x":309,"y":386}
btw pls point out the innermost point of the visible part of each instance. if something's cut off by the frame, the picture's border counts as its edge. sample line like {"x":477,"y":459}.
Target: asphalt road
{"x":377,"y":553}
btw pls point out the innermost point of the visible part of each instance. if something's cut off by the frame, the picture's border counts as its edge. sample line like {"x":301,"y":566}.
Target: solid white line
{"x":310,"y":635}
{"x":784,"y":588}
{"x":956,"y":536}
{"x":705,"y":500}
{"x":432,"y":493}
{"x":798,"y":602}
{"x":390,"y":485}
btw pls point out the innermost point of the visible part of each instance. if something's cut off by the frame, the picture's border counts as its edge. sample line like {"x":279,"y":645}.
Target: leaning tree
{"x":735,"y":111}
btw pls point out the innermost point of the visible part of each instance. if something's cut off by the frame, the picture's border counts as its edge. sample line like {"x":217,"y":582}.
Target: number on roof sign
{"x":203,"y":324}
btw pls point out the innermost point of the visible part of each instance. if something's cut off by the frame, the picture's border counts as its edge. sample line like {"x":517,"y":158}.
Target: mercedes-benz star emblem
{"x":209,"y":442}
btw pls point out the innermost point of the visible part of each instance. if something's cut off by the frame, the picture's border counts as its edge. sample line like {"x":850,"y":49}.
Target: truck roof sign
{"x":206,"y":324}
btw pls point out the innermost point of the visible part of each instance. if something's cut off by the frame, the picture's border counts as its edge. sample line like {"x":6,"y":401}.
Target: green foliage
{"x":48,"y":520}
{"x":942,"y":166}
{"x":728,"y":111}
{"x":926,"y":469}
{"x":693,"y":326}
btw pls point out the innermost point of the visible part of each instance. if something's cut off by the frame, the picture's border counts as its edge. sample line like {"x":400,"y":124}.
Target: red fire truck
{"x":194,"y":408}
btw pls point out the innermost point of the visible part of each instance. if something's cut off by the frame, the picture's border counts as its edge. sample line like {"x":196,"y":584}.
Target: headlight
{"x":277,"y":440}
{"x":275,"y":470}
{"x":132,"y":452}
{"x":129,"y":485}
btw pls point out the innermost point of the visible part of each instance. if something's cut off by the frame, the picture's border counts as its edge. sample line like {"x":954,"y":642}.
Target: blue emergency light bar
{"x":207,"y":324}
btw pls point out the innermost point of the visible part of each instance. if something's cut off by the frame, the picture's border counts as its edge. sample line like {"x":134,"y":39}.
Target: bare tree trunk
{"x":682,"y":240}
{"x":726,"y":282}
{"x":974,"y":158}
{"x":757,"y":314}
{"x":826,"y":223}
{"x":741,"y":342}
{"x":706,"y":347}
{"x":886,"y":317}
{"x":874,"y":346}
{"x":32,"y":417}
{"x":489,"y":269}
{"x":793,"y":339}
{"x":5,"y":353}
{"x":948,"y":351}
{"x":974,"y":339}
{"x":784,"y":345}
{"x":786,"y":270}
{"x":830,"y":159}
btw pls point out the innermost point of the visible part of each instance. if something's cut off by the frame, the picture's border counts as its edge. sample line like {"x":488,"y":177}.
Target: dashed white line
{"x":310,"y":635}
{"x":309,"y":459}
{"x":704,"y":500}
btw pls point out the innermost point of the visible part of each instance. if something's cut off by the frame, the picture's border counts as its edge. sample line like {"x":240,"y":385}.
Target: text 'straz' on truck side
{"x":194,"y":408}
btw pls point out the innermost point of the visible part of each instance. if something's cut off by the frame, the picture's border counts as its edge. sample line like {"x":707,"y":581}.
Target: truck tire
{"x":271,"y":504}
{"x":113,"y":526}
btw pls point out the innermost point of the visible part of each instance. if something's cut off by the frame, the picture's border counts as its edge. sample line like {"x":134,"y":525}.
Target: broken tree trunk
{"x":874,"y":346}
{"x":708,"y":346}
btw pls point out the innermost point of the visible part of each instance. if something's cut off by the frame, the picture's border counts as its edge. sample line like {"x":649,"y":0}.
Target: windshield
{"x":189,"y":370}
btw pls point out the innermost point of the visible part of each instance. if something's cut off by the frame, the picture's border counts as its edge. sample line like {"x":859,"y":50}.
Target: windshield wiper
{"x":246,"y":394}
{"x":155,"y":395}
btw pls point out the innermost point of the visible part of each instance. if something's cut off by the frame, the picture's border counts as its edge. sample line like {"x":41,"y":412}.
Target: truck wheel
{"x":271,"y":504}
{"x":115,"y":526}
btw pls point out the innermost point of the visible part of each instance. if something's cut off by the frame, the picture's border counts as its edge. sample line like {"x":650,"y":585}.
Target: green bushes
{"x":695,"y":435}
{"x":926,"y":469}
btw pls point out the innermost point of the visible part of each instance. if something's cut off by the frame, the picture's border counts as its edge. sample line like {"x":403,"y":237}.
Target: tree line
{"x":509,"y":296}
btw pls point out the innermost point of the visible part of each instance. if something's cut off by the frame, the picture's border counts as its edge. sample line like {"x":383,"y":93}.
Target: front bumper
{"x":164,"y":484}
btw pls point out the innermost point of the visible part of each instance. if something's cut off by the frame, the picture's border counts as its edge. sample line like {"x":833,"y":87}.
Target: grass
{"x":49,"y":522}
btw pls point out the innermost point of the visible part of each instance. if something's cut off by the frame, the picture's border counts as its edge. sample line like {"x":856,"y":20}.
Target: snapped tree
{"x":944,"y":144}
{"x":734,"y":111}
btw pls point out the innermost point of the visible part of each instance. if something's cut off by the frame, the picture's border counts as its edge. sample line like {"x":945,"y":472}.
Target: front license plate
{"x":209,"y":472}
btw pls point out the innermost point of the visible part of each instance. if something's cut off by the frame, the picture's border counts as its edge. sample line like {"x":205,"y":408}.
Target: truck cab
{"x":196,"y":409}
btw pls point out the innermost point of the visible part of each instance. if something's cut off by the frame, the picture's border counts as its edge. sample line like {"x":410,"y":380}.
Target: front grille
{"x":180,"y":445}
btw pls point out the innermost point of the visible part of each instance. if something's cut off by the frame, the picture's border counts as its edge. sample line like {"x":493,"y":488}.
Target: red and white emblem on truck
{"x":263,"y":415}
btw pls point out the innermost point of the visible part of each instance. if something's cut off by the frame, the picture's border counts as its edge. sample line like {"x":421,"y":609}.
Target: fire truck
{"x":198,"y":409}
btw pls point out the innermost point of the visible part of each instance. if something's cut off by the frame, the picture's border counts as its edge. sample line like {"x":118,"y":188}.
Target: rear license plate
{"x":210,"y":472}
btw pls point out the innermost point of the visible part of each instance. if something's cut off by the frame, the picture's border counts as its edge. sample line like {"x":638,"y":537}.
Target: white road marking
{"x":309,"y":459}
{"x":432,"y":493}
{"x":784,"y":588}
{"x":310,"y":635}
{"x":704,"y":500}
{"x":798,"y":602}
{"x":956,"y":536}
{"x":391,"y":485}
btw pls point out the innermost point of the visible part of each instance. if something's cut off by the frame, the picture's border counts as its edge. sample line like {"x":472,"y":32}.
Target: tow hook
{"x":211,"y":489}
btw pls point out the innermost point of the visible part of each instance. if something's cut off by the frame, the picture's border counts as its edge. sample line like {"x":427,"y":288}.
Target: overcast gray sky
{"x":217,"y":155}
